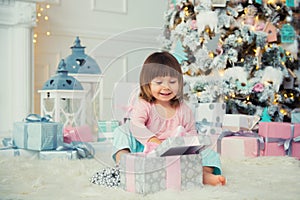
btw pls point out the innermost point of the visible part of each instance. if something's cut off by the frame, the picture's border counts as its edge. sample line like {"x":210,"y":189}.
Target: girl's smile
{"x":164,"y":88}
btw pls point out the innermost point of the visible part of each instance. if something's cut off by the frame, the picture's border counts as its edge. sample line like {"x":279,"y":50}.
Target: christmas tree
{"x":241,"y":52}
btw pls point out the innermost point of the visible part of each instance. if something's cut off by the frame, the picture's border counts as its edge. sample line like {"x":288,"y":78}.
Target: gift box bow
{"x":285,"y":142}
{"x":84,"y":149}
{"x":260,"y":140}
{"x":8,"y":143}
{"x":203,"y":126}
{"x":37,"y":118}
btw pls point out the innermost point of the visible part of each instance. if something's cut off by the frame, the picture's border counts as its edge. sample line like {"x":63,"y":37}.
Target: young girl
{"x":160,"y":112}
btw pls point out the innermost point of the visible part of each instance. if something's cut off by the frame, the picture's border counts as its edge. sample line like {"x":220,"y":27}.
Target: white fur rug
{"x":252,"y":178}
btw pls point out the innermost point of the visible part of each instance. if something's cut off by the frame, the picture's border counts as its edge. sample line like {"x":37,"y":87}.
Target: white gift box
{"x":209,"y":118}
{"x":236,"y":122}
{"x":48,"y":155}
{"x":210,"y":112}
{"x":31,"y":154}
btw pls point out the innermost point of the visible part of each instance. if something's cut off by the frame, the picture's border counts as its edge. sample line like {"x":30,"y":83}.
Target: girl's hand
{"x":154,"y":140}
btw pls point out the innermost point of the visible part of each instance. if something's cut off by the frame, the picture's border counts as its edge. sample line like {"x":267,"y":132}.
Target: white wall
{"x":17,"y":19}
{"x":118,"y":34}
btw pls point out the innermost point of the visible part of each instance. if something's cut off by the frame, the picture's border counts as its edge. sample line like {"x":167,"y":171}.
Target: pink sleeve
{"x":138,"y":120}
{"x":189,"y":120}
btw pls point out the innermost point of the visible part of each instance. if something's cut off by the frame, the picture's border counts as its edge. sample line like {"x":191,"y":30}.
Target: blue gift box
{"x":295,"y":115}
{"x":38,"y":135}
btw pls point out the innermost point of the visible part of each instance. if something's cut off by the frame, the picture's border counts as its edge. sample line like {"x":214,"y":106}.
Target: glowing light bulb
{"x":48,"y":33}
{"x":47,"y":6}
{"x":35,"y":35}
{"x":46,"y":17}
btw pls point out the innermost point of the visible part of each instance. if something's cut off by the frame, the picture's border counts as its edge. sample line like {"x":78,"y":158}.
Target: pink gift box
{"x":175,"y":164}
{"x":79,"y":133}
{"x":280,"y":138}
{"x":236,"y":147}
{"x":144,"y":175}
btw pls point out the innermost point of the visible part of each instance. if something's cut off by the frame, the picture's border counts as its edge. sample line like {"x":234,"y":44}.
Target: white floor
{"x":252,"y":178}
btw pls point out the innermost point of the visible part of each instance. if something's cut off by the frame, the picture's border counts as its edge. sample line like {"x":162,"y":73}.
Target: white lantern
{"x":86,"y":70}
{"x":63,"y":98}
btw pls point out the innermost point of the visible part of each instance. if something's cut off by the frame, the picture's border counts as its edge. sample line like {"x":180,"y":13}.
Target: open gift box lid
{"x":183,"y":145}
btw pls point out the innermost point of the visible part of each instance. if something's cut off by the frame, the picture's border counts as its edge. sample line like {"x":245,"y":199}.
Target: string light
{"x":42,"y":15}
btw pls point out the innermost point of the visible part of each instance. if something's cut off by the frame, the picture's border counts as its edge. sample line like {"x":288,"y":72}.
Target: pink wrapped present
{"x":175,"y":164}
{"x":79,"y":133}
{"x":280,"y":138}
{"x":237,"y":144}
{"x":145,"y":175}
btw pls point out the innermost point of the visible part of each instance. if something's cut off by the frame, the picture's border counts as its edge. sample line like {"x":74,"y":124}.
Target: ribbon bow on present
{"x":286,"y":143}
{"x":8,"y":143}
{"x":84,"y":149}
{"x":37,"y":118}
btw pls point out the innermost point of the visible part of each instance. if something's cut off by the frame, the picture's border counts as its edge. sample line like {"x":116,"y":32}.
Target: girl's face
{"x":164,"y":88}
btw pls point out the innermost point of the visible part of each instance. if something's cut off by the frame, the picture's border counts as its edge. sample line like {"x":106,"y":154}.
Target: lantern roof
{"x":79,"y":62}
{"x":62,"y":81}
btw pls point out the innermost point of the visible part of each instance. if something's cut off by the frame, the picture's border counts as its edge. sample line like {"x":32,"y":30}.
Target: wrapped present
{"x":237,"y":122}
{"x":106,"y":129}
{"x":38,"y":134}
{"x":77,"y":134}
{"x":83,"y":149}
{"x":280,"y":138}
{"x":153,"y":172}
{"x":48,"y":155}
{"x":210,"y":112}
{"x":209,"y":117}
{"x":19,"y":152}
{"x":237,"y":145}
{"x":295,"y":115}
{"x":208,"y":128}
{"x":145,"y":175}
{"x":108,"y":126}
{"x":105,"y":136}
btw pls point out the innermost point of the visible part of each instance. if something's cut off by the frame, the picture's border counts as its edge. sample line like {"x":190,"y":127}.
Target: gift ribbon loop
{"x":37,"y":118}
{"x":84,"y":149}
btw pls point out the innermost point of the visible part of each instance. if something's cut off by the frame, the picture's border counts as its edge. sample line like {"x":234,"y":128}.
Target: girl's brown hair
{"x":160,"y":64}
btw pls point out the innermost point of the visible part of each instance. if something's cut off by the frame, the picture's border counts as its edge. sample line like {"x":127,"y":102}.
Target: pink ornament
{"x":193,"y":24}
{"x":249,"y":20}
{"x":260,"y":26}
{"x":258,"y":87}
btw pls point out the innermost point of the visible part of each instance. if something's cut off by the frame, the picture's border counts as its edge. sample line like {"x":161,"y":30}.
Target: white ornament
{"x":207,"y":18}
{"x":272,"y":76}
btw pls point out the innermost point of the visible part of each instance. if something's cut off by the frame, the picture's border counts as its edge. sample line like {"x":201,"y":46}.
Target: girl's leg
{"x":124,"y":142}
{"x":212,"y":168}
{"x":120,"y":153}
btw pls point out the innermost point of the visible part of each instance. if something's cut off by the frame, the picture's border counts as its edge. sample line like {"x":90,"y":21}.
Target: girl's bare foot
{"x":211,"y":179}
